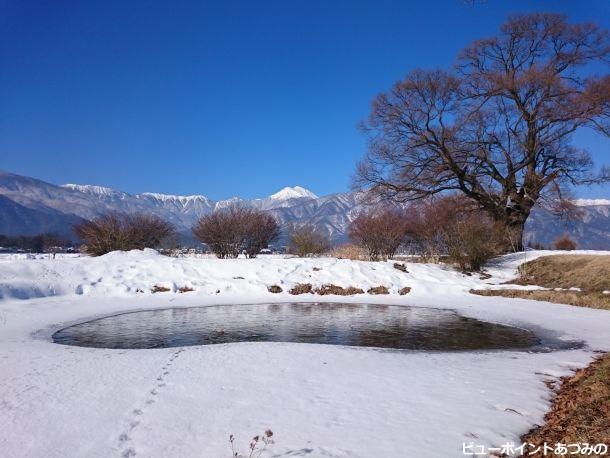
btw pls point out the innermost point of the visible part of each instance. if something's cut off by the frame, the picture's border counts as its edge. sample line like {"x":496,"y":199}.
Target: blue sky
{"x":222,"y":98}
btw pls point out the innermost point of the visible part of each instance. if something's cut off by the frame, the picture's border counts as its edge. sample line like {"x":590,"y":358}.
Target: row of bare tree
{"x":450,"y":227}
{"x":227,"y":233}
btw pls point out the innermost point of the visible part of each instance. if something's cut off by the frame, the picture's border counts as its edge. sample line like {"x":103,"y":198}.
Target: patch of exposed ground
{"x":587,"y":272}
{"x":589,"y":275}
{"x":578,"y":298}
{"x":580,"y":412}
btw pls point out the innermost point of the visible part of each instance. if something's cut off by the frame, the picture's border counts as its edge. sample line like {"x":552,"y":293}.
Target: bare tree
{"x":260,"y":230}
{"x":380,"y":232}
{"x":230,"y":231}
{"x":306,"y":240}
{"x":222,"y":231}
{"x":498,"y":127}
{"x":117,"y":231}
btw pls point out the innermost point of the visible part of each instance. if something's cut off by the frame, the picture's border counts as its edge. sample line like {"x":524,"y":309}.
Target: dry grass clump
{"x":159,"y":289}
{"x":338,"y":290}
{"x":378,"y":290}
{"x":275,"y":289}
{"x":349,"y":251}
{"x":580,"y":411}
{"x":351,"y":290}
{"x":593,"y":300}
{"x":301,"y":288}
{"x":185,"y":289}
{"x":405,"y":290}
{"x":401,"y":267}
{"x":587,"y":272}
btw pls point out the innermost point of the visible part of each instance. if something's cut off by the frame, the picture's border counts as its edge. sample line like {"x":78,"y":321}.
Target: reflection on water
{"x":385,"y":326}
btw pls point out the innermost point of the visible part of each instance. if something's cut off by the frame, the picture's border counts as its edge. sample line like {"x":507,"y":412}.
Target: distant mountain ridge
{"x":30,"y":206}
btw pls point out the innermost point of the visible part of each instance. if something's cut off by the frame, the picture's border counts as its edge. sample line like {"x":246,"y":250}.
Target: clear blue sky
{"x":221,"y":98}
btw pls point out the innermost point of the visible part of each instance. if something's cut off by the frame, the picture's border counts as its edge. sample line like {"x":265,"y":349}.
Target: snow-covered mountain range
{"x":58,"y":207}
{"x":29,"y":206}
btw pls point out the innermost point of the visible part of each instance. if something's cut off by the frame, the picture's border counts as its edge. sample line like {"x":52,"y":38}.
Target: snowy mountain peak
{"x":591,"y":202}
{"x":295,"y":192}
{"x":171,"y":198}
{"x":93,"y":190}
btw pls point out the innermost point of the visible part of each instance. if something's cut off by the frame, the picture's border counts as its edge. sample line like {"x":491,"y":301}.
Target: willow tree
{"x":498,"y":126}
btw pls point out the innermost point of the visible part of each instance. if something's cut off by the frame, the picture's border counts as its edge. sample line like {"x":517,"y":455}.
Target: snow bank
{"x":137,"y":272}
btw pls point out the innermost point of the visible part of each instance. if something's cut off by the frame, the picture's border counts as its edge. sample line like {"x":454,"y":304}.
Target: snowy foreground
{"x":319,"y":400}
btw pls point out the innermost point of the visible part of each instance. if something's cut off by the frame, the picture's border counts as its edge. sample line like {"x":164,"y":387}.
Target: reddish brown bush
{"x":455,"y":228}
{"x":116,"y":231}
{"x":307,"y":241}
{"x":230,"y":231}
{"x":379,"y":232}
{"x":564,"y":243}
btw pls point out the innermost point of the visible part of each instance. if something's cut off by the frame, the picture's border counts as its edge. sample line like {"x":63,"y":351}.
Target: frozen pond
{"x":361,"y":325}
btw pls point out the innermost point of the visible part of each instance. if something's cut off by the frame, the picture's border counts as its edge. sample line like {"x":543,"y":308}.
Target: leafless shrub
{"x":256,"y":449}
{"x":454,"y":227}
{"x":275,"y":289}
{"x":349,"y":251}
{"x":379,"y":232}
{"x":378,"y":290}
{"x":405,"y":290}
{"x":472,"y":242}
{"x":117,"y":231}
{"x":301,"y":288}
{"x":307,"y":241}
{"x":230,"y":231}
{"x":564,"y":243}
{"x":260,"y":230}
{"x":185,"y":289}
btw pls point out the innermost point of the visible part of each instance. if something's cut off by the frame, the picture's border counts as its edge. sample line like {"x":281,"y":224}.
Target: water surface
{"x":360,"y":325}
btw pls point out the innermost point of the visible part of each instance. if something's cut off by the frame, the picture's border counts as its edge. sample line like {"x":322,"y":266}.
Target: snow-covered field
{"x":319,"y":400}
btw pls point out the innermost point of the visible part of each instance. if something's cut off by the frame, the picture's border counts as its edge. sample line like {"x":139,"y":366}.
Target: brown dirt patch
{"x":580,"y":411}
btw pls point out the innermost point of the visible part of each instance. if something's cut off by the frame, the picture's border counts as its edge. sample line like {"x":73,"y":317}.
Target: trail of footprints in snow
{"x":135,"y":417}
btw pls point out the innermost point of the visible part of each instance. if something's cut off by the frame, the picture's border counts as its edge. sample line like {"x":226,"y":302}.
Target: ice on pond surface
{"x":361,"y":325}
